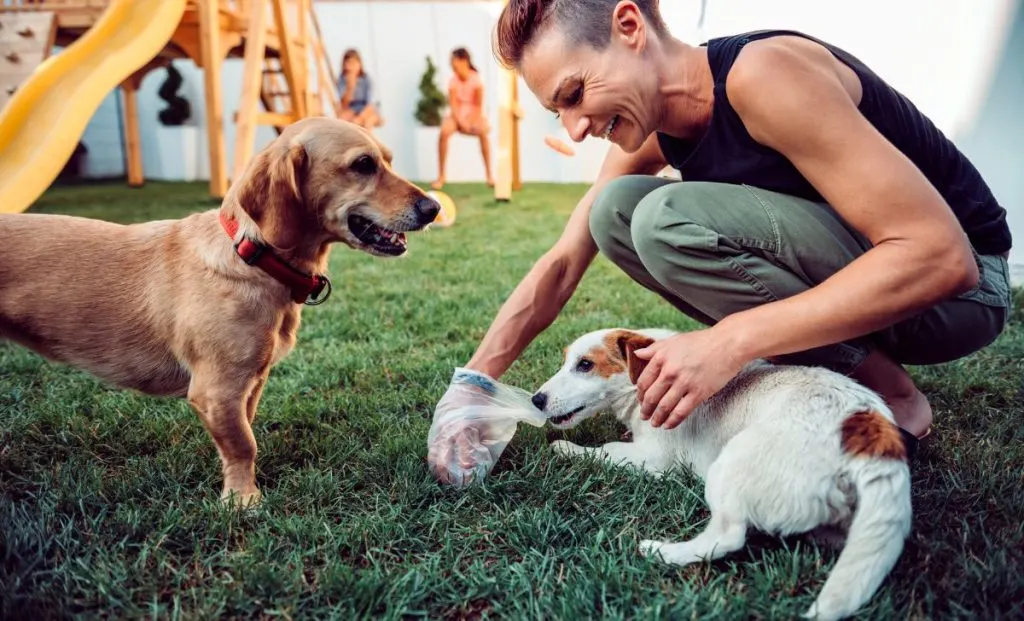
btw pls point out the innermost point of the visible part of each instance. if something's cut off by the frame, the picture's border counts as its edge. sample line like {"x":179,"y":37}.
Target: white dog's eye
{"x":584,"y":365}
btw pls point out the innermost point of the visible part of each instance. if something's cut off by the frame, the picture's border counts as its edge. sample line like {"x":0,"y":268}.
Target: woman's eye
{"x":584,"y":365}
{"x":576,"y":96}
{"x":364,"y":165}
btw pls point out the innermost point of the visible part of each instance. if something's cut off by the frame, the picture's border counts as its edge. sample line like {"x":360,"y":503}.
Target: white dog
{"x":783,"y":449}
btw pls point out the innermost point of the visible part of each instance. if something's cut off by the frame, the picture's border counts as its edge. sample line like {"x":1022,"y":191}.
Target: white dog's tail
{"x":881,"y":522}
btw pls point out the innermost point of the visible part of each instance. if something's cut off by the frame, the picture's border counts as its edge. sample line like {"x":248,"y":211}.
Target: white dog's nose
{"x":540,"y":400}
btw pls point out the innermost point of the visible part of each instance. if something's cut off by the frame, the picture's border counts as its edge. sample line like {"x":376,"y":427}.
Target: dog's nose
{"x":540,"y":400}
{"x":426,"y":209}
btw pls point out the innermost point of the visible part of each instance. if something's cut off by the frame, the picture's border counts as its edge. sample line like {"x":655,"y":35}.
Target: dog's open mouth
{"x":377,"y":237}
{"x":562,"y":419}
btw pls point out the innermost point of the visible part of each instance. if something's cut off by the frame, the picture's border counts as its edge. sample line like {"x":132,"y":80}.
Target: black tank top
{"x":727,"y":154}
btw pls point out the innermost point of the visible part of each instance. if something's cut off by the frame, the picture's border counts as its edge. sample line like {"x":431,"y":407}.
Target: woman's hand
{"x":682,"y":372}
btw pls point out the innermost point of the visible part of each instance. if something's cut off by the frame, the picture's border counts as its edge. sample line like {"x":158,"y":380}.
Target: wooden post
{"x":517,"y":114}
{"x":509,"y":114}
{"x":324,"y":68}
{"x":252,"y":82}
{"x":304,"y":9}
{"x":289,"y":62}
{"x":133,"y":145}
{"x":212,"y":58}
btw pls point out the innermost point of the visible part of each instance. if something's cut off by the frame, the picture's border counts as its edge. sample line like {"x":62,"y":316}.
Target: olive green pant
{"x":715,"y":249}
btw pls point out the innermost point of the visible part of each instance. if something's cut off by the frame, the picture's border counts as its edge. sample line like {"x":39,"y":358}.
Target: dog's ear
{"x":385,"y":153}
{"x":628,"y":343}
{"x":270,"y":192}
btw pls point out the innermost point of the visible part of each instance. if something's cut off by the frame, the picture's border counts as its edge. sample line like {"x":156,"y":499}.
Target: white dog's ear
{"x":628,"y":343}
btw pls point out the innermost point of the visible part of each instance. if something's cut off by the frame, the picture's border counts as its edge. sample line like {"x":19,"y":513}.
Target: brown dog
{"x":204,"y":306}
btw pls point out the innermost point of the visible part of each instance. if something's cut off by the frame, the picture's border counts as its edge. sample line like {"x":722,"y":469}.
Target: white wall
{"x":993,"y":138}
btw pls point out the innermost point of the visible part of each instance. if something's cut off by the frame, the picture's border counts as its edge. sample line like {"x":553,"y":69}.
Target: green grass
{"x":108,"y":499}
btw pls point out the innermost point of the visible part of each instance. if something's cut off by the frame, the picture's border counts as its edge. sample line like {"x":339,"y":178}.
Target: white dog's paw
{"x":812,"y":612}
{"x":564,"y":447}
{"x":651,"y":548}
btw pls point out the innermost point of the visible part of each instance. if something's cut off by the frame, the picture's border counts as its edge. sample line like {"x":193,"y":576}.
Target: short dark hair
{"x":585,"y":21}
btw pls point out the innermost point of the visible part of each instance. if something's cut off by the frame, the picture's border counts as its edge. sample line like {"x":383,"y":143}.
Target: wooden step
{"x":26,"y":40}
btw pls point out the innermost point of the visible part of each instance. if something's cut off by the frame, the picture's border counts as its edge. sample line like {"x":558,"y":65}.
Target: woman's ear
{"x":629,"y":25}
{"x":270,"y":193}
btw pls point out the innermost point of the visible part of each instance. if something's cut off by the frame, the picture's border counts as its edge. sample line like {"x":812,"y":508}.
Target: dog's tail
{"x":881,"y":522}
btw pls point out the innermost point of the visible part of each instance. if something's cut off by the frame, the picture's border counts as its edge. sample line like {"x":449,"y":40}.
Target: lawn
{"x":109,"y":500}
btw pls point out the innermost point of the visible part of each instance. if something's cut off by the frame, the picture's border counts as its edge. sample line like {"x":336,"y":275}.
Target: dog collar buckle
{"x":323,"y":286}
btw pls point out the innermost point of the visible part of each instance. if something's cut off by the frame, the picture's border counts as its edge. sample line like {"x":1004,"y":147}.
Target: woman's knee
{"x":611,"y":214}
{"x":670,"y":219}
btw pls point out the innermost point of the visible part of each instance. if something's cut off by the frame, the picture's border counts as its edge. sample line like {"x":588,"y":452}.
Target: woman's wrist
{"x":738,"y":340}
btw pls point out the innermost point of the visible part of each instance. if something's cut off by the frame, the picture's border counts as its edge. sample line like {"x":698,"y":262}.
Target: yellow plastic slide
{"x":41,"y":125}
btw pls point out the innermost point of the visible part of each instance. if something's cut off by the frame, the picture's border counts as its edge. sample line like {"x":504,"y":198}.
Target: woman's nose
{"x":578,"y":126}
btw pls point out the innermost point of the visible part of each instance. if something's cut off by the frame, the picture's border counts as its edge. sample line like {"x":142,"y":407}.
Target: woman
{"x":466,"y":102}
{"x":823,"y":220}
{"x":356,"y":90}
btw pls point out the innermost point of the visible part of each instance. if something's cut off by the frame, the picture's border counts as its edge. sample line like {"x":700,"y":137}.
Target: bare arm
{"x":478,"y":95}
{"x":453,"y":103}
{"x":547,"y":287}
{"x":920,"y":255}
{"x":350,"y":86}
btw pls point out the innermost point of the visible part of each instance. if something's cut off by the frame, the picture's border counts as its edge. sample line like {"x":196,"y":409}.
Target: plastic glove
{"x":473,"y":423}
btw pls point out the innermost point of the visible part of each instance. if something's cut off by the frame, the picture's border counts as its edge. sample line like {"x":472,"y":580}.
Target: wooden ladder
{"x":25,"y":42}
{"x":280,"y":83}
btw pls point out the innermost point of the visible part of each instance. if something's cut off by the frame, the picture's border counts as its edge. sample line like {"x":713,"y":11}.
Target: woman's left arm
{"x":368,"y":97}
{"x":796,"y":103}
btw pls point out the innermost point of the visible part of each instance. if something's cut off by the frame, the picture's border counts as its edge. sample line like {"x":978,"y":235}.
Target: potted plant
{"x":429,"y":112}
{"x":177,"y":141}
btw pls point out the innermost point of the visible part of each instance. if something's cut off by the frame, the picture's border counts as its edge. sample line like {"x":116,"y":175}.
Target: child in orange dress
{"x":466,"y":102}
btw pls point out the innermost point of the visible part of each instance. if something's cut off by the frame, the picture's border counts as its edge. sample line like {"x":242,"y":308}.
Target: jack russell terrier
{"x":783,"y":449}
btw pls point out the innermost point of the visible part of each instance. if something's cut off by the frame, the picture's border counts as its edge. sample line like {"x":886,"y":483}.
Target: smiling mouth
{"x":564,"y":418}
{"x":611,"y":127}
{"x":376,"y":237}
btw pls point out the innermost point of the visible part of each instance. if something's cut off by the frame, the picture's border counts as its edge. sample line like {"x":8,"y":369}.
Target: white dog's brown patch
{"x":607,"y":359}
{"x":869,"y":434}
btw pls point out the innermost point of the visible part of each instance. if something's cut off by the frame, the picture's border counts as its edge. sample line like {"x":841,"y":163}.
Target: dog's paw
{"x":564,"y":447}
{"x":241,"y":501}
{"x":651,"y":548}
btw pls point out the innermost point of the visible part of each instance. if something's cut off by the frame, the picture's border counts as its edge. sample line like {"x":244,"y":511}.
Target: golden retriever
{"x":204,"y":306}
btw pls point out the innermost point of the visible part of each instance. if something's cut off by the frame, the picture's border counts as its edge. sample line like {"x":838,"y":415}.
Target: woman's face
{"x":611,"y":93}
{"x":352,"y":65}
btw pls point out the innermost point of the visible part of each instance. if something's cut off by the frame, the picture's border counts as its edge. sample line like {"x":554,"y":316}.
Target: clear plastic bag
{"x":473,"y":423}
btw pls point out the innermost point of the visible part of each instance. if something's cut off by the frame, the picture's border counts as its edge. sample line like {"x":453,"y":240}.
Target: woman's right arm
{"x":547,"y":287}
{"x":347,"y":86}
{"x":453,"y":102}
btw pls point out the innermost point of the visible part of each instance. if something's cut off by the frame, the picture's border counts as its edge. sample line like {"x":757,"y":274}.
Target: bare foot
{"x":490,"y":182}
{"x":437,"y":185}
{"x":909,"y":406}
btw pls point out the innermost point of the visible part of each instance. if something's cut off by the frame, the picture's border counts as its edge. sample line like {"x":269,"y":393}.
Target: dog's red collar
{"x":306,"y":289}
